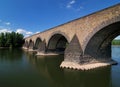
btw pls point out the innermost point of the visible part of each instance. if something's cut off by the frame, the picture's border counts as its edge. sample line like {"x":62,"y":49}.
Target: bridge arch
{"x":99,"y":45}
{"x":57,"y":43}
{"x":37,"y":43}
{"x":61,"y":33}
{"x":100,"y":26}
{"x":31,"y":44}
{"x":26,"y":44}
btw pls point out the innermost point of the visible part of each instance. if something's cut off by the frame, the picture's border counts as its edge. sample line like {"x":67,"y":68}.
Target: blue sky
{"x":32,"y":16}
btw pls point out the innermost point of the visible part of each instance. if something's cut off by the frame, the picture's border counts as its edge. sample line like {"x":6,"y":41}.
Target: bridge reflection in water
{"x":24,"y":69}
{"x":49,"y":67}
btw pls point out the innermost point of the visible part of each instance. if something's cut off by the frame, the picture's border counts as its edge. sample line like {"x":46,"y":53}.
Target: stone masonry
{"x":89,"y":38}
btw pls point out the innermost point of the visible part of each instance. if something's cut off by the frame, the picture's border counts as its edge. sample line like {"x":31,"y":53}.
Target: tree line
{"x":12,"y":39}
{"x":116,"y":42}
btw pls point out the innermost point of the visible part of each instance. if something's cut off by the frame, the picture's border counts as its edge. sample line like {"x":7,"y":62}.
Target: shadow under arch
{"x":99,"y":46}
{"x":26,"y":44}
{"x":100,"y":26}
{"x":57,"y":43}
{"x":31,"y":44}
{"x":58,"y":32}
{"x":37,"y":43}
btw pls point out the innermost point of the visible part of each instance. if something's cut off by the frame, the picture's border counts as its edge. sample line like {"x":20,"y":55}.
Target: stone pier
{"x":85,"y":42}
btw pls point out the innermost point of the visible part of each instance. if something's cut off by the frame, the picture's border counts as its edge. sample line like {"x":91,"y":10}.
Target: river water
{"x":20,"y":68}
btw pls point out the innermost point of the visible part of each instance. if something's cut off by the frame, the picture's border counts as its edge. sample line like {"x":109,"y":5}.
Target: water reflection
{"x":94,"y":78}
{"x":49,"y":67}
{"x":8,"y":54}
{"x":23,"y":69}
{"x":116,"y":69}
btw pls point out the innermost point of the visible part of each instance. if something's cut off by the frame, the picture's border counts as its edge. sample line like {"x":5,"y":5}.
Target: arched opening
{"x":57,"y":43}
{"x":26,"y":44}
{"x":116,"y":49}
{"x":99,"y":46}
{"x":37,"y":43}
{"x":31,"y":44}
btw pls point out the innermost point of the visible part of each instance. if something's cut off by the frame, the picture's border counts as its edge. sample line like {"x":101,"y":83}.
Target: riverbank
{"x":115,"y":45}
{"x":116,"y":42}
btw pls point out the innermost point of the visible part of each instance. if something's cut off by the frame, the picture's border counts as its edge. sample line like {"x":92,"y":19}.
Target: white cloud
{"x":37,"y":32}
{"x":7,"y":23}
{"x":80,"y":8}
{"x":72,"y":2}
{"x":69,"y":5}
{"x":4,"y":23}
{"x":29,"y":33}
{"x":24,"y":32}
{"x":26,"y":35}
{"x":5,"y":30}
{"x":75,"y":5}
{"x":20,"y":31}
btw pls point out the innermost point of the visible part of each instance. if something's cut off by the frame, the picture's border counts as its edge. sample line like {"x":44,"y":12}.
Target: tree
{"x":12,"y":39}
{"x":2,"y":40}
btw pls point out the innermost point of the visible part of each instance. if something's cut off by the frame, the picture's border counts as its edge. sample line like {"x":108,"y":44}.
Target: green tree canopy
{"x":116,"y":42}
{"x":12,"y":39}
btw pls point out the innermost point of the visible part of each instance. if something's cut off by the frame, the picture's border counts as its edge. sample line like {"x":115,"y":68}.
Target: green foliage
{"x":116,"y":42}
{"x":11,"y":39}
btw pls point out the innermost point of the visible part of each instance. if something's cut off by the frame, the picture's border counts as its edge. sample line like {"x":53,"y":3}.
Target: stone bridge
{"x":85,"y":42}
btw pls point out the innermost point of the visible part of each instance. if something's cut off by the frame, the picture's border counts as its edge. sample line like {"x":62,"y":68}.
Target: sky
{"x":32,"y":16}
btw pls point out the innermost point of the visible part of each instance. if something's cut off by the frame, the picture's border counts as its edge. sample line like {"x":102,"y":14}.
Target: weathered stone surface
{"x":89,"y":37}
{"x":89,"y":66}
{"x":85,"y":27}
{"x":73,"y":52}
{"x":42,"y":47}
{"x":31,"y":45}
